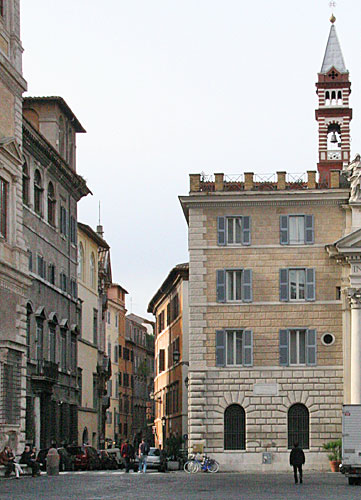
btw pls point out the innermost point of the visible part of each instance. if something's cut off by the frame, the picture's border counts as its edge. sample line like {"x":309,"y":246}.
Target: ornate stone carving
{"x":353,"y":174}
{"x":354,"y":296}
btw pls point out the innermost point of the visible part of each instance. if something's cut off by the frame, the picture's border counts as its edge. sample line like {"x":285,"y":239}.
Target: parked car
{"x":85,"y":457}
{"x":108,"y":461}
{"x":154,"y":460}
{"x":66,"y":461}
{"x":115,"y":453}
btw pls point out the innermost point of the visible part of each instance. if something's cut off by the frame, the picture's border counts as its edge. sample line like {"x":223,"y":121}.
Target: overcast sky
{"x":165,"y":88}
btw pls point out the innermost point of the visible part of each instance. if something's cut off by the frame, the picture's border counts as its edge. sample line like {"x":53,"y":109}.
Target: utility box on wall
{"x":266,"y":458}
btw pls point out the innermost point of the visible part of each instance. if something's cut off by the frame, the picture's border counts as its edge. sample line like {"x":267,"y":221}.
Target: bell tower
{"x":333,"y":113}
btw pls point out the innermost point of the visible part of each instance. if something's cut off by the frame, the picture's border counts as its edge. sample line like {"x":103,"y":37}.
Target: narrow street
{"x":179,"y":486}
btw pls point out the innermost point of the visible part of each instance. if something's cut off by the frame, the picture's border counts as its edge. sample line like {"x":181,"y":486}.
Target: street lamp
{"x":176,"y":357}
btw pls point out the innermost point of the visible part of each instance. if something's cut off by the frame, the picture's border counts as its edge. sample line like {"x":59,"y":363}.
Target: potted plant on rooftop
{"x":334,"y":449}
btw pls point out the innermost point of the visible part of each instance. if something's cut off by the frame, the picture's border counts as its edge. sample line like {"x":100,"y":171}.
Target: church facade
{"x":273,"y":335}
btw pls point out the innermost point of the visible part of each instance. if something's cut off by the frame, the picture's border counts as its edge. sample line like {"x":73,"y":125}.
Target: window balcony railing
{"x":47,"y":370}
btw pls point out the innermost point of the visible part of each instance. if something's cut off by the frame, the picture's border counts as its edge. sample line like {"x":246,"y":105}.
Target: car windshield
{"x":154,"y":452}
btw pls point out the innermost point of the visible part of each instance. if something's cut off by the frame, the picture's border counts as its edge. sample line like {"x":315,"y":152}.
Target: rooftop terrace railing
{"x":280,"y":181}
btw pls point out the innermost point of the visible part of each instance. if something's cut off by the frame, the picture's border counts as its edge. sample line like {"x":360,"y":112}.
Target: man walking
{"x":297,"y":459}
{"x":143,"y":454}
{"x":125,"y":453}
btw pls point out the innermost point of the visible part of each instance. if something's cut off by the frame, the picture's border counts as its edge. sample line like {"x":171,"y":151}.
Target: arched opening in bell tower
{"x":334,"y":141}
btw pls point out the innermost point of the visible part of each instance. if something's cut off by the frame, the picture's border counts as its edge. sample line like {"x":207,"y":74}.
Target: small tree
{"x":335,"y":450}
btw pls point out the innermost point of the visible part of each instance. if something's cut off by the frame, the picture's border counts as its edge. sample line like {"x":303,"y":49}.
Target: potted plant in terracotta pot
{"x":334,"y":449}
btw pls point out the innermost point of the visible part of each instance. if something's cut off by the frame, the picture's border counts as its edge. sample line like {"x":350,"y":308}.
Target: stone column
{"x":37,"y":421}
{"x":355,"y":298}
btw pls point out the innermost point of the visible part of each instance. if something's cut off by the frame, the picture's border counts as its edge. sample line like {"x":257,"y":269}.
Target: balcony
{"x":46,"y":371}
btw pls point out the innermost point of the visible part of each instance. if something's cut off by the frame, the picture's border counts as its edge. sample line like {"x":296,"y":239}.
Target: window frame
{"x":4,"y":202}
{"x":38,"y":193}
{"x":296,"y":332}
{"x":233,"y":440}
{"x":51,"y":204}
{"x":302,"y":436}
{"x":297,"y":270}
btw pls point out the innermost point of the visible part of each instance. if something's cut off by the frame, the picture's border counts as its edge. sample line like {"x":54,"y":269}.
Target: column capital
{"x":354,"y":296}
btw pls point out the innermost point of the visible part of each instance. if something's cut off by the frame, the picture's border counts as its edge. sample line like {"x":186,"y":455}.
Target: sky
{"x":166,"y":88}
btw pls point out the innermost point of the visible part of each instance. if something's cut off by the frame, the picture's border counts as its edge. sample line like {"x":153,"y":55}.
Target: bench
{"x":27,"y":470}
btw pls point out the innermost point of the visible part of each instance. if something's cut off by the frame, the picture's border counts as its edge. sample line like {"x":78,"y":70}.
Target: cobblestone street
{"x":179,"y":485}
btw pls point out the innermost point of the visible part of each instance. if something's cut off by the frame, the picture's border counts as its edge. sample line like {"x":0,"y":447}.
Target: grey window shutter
{"x":247,"y":285}
{"x":221,"y":230}
{"x":310,"y":284}
{"x":309,"y":230}
{"x":246,"y":230}
{"x":221,"y":285}
{"x":220,"y":348}
{"x":247,"y":348}
{"x":284,"y":285}
{"x":284,"y":236}
{"x":311,"y":347}
{"x":284,"y":340}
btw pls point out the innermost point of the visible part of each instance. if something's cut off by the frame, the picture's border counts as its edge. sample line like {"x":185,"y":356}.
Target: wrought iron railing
{"x":47,"y":369}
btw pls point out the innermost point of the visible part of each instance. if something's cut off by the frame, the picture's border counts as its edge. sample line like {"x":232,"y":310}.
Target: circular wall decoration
{"x":328,"y":338}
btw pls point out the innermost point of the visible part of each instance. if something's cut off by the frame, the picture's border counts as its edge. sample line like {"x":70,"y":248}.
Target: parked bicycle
{"x":207,"y":464}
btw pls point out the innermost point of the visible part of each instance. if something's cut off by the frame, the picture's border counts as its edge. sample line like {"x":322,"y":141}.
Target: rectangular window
{"x":297,"y":280}
{"x":3,"y":207}
{"x":234,"y":285}
{"x":233,"y":230}
{"x":95,"y":326}
{"x":126,"y":379}
{"x":2,"y":8}
{"x":63,"y":282}
{"x":73,"y":230}
{"x":161,"y":322}
{"x":234,"y":348}
{"x":109,"y":349}
{"x":73,"y":289}
{"x":297,"y":284}
{"x":63,"y":221}
{"x":30,"y":255}
{"x":161,"y":360}
{"x":95,"y":391}
{"x":51,"y":274}
{"x":116,"y":357}
{"x":119,"y":351}
{"x":126,"y":353}
{"x":110,"y":388}
{"x":41,"y":267}
{"x":298,"y":347}
{"x":73,"y":353}
{"x":108,"y":317}
{"x":63,"y":350}
{"x":116,"y":321}
{"x":52,"y":343}
{"x":39,"y":339}
{"x":297,"y":230}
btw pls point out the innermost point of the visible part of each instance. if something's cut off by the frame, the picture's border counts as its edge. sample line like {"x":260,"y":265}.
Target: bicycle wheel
{"x":191,"y":467}
{"x":213,"y":466}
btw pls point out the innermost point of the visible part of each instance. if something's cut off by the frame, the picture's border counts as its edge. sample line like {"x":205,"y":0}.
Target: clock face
{"x":334,"y":155}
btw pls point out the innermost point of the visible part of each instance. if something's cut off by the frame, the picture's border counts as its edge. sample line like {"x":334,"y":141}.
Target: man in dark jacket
{"x":28,"y":457}
{"x":297,"y":459}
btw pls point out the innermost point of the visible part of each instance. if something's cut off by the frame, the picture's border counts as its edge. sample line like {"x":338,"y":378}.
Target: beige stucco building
{"x":93,"y":278}
{"x":115,"y":330}
{"x":170,"y":307}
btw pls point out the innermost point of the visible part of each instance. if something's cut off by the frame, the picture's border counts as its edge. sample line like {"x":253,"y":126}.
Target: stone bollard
{"x":52,"y":462}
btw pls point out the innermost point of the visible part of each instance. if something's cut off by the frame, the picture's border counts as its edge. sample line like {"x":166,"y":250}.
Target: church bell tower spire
{"x":333,"y":113}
